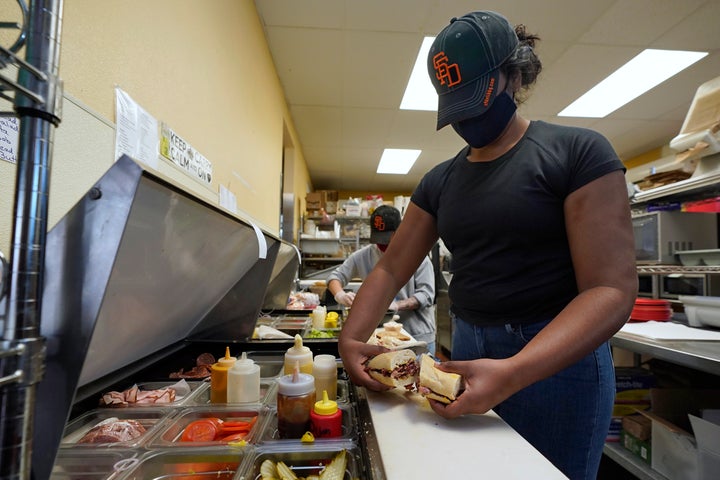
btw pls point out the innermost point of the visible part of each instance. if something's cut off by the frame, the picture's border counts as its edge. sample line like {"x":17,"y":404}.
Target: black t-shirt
{"x":504,"y":224}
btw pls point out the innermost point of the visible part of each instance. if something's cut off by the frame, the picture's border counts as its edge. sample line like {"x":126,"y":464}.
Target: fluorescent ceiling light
{"x":419,"y":93}
{"x":646,"y":70}
{"x":397,"y":161}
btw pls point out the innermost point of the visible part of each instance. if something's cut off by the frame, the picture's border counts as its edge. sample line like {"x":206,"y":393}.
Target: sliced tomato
{"x":234,"y":437}
{"x":203,"y":430}
{"x":229,"y":427}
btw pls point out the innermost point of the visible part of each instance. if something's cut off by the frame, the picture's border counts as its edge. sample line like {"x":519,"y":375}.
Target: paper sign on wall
{"x":184,"y":156}
{"x":136,"y":132}
{"x":9,"y":133}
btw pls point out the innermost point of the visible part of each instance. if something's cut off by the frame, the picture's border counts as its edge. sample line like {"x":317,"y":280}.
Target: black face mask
{"x":486,"y":128}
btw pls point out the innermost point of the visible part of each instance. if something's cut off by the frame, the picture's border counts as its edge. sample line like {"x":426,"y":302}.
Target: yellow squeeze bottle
{"x":300,"y":354}
{"x":218,"y":377}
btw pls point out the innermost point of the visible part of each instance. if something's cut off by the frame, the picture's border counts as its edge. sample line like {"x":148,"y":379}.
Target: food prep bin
{"x":194,"y":389}
{"x":100,"y":464}
{"x":180,"y":464}
{"x":309,"y":461}
{"x":267,"y":390}
{"x":270,"y":432}
{"x":151,"y":419}
{"x":170,"y":435}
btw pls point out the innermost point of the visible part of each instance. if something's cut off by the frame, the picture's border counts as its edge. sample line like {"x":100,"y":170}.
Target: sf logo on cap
{"x":447,"y":74}
{"x":379,"y":223}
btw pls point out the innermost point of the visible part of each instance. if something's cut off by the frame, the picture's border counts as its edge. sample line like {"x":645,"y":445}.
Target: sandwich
{"x":391,"y":335}
{"x":398,"y":368}
{"x":436,"y":384}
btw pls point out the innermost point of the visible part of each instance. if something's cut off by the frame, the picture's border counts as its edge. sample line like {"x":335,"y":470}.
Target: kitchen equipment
{"x":660,"y":235}
{"x":103,"y":263}
{"x":671,"y":286}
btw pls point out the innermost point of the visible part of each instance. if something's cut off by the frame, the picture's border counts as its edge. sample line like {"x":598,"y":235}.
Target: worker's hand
{"x":345,"y":298}
{"x":355,"y":355}
{"x":487,"y":382}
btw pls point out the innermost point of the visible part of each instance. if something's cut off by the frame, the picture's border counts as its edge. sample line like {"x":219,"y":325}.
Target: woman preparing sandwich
{"x":537,"y":219}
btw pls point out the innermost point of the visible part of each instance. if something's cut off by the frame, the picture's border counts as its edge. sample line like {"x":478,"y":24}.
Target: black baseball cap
{"x":463,"y":64}
{"x":383,"y":223}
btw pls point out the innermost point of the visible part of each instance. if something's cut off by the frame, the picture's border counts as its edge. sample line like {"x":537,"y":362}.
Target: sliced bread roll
{"x":437,"y":384}
{"x":398,"y":368}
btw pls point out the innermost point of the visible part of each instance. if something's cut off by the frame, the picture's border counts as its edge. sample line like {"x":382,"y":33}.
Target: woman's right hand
{"x":355,"y":355}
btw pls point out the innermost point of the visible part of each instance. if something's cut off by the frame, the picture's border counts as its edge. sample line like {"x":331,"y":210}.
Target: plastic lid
{"x":332,"y":315}
{"x":296,"y":384}
{"x":325,"y":364}
{"x":326,"y":406}
{"x":227,"y":361}
{"x":298,"y":348}
{"x":244,"y":364}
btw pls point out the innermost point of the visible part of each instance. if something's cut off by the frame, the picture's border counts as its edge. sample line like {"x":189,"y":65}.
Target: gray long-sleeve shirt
{"x":419,"y":323}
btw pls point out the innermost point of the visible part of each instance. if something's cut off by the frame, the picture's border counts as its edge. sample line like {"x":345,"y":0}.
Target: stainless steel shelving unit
{"x":699,"y":355}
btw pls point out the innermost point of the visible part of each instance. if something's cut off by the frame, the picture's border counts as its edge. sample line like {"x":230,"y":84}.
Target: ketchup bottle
{"x":326,"y":418}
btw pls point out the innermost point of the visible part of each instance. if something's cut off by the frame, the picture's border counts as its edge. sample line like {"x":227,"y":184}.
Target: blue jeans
{"x":566,"y":417}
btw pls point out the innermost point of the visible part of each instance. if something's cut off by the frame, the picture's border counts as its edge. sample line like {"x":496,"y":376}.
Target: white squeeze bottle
{"x":301,"y":354}
{"x":243,"y":384}
{"x":325,"y":373}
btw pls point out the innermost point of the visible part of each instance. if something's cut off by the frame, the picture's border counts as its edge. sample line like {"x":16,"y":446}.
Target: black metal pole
{"x":22,"y":350}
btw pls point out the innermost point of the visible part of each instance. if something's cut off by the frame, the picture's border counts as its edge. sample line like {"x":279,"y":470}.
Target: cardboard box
{"x":633,"y":394}
{"x":676,"y":453}
{"x":638,"y":426}
{"x":640,"y":448}
{"x":313,"y":201}
{"x":329,"y":195}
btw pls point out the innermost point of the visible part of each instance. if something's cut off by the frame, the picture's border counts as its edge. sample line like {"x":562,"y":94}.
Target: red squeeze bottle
{"x":326,"y":418}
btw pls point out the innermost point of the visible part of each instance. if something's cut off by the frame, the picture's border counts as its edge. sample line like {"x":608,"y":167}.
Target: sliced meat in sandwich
{"x":398,"y":368}
{"x":436,"y":384}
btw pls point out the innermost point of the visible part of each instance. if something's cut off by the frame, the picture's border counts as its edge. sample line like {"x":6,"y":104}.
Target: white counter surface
{"x":415,"y":442}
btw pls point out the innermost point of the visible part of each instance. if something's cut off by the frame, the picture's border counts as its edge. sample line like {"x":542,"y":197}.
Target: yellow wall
{"x":201,"y":67}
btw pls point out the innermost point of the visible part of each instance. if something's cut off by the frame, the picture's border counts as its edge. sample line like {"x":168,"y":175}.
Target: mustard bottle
{"x":301,"y":354}
{"x":218,"y":377}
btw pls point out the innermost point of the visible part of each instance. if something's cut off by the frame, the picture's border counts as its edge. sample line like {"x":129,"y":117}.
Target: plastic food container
{"x":74,"y":464}
{"x":343,"y":396}
{"x":171,"y":435}
{"x":701,"y":310}
{"x":151,"y":420}
{"x":267,"y":389}
{"x":271,"y":362}
{"x":270,"y":432}
{"x":180,"y":399}
{"x":214,"y":464}
{"x":310,"y":461}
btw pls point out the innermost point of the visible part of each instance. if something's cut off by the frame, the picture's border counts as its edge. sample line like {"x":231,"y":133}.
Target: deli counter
{"x":142,"y":280}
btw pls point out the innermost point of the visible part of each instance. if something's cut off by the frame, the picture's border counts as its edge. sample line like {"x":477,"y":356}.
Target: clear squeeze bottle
{"x":325,"y":373}
{"x":326,"y":418}
{"x":243,"y":381}
{"x":295,"y":400}
{"x":218,"y":378}
{"x":300,"y":354}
